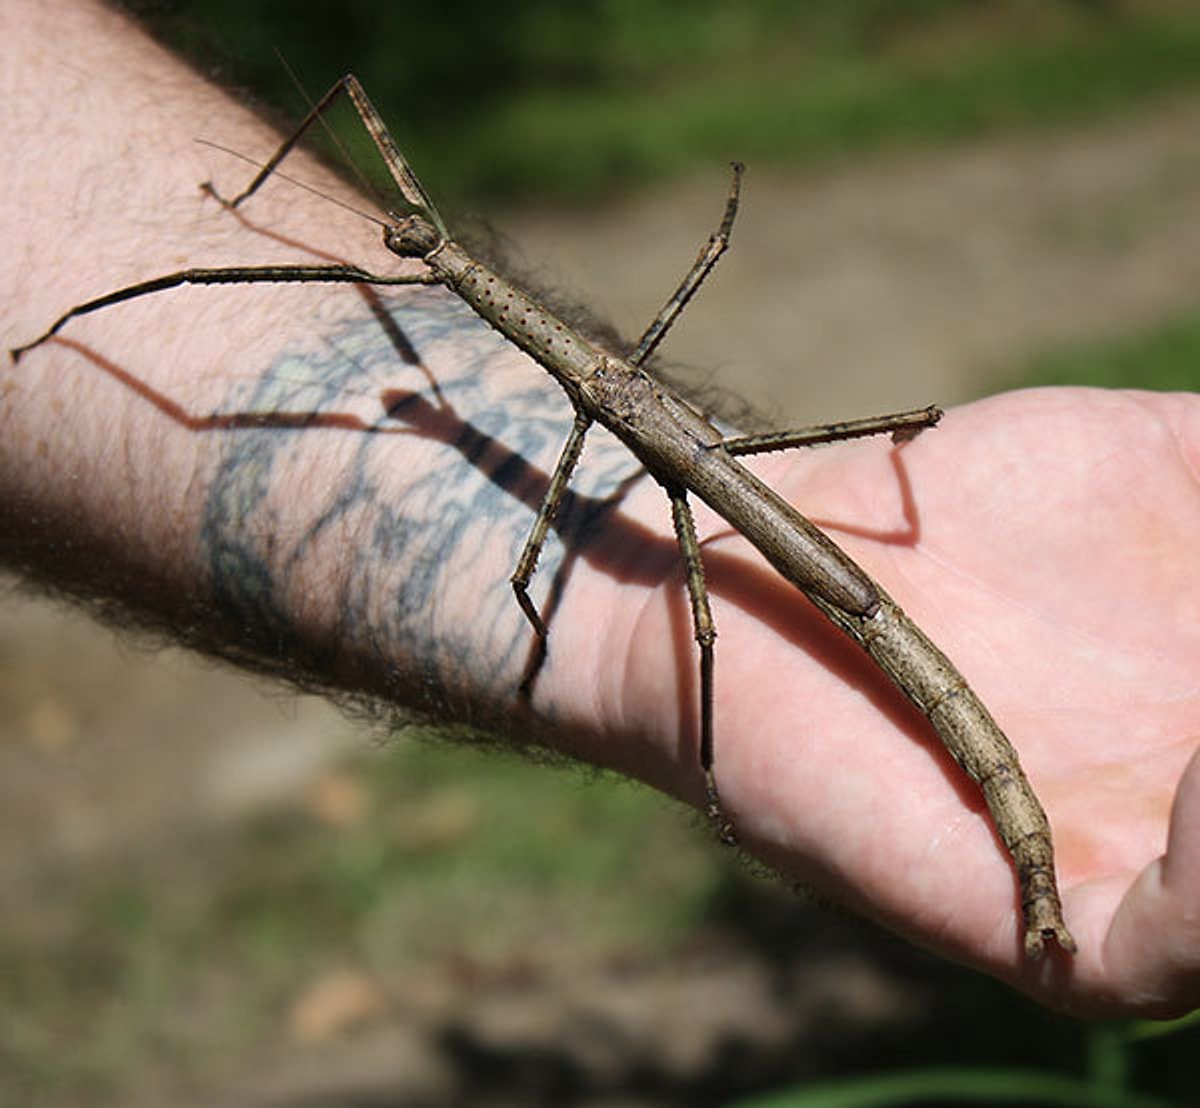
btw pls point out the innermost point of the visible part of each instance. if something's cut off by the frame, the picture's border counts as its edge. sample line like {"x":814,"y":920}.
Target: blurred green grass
{"x":1163,"y":357}
{"x":543,"y":101}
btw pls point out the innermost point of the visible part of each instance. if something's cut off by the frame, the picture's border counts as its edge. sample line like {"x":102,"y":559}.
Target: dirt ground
{"x":879,"y":285}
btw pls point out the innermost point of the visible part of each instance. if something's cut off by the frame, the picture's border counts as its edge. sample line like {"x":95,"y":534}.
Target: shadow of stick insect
{"x":688,"y":456}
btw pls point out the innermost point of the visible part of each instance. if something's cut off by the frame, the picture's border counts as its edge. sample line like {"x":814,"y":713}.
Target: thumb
{"x":1152,"y":949}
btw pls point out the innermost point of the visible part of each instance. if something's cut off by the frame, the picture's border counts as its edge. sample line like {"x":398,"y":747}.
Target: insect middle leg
{"x":708,"y":257}
{"x":527,"y":563}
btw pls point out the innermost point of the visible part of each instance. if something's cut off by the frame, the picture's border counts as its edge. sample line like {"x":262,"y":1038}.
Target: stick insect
{"x":688,"y":456}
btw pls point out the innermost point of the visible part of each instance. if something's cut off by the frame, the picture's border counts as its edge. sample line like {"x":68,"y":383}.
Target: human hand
{"x":1045,"y":540}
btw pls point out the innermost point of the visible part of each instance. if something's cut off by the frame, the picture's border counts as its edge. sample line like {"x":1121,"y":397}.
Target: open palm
{"x":1046,"y":540}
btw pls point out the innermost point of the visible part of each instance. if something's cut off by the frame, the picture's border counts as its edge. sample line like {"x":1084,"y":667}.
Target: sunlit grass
{"x":1164,"y":357}
{"x":568,"y":103}
{"x":788,"y":105}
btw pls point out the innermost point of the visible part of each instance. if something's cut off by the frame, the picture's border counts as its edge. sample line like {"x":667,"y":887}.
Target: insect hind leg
{"x":705,"y":634}
{"x":902,"y":426}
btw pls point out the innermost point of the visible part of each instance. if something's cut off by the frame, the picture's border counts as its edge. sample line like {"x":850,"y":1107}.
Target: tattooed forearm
{"x":406,"y":544}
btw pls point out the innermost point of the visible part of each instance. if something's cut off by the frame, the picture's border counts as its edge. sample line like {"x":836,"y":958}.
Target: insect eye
{"x":398,"y":239}
{"x":410,"y":237}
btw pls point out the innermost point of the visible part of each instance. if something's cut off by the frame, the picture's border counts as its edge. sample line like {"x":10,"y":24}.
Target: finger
{"x":1152,"y":952}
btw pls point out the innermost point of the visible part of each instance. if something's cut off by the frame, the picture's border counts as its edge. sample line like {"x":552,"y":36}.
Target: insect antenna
{"x":346,"y":158}
{"x":413,"y":193}
{"x":345,"y":205}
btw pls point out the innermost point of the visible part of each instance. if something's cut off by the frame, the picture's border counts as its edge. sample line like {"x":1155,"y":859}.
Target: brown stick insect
{"x":688,"y":456}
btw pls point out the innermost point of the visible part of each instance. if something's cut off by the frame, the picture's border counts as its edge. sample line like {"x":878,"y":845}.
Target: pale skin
{"x":1044,"y":540}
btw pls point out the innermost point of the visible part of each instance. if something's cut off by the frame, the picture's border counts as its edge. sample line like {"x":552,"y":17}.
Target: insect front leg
{"x":410,"y":187}
{"x":233,"y":275}
{"x":705,"y":633}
